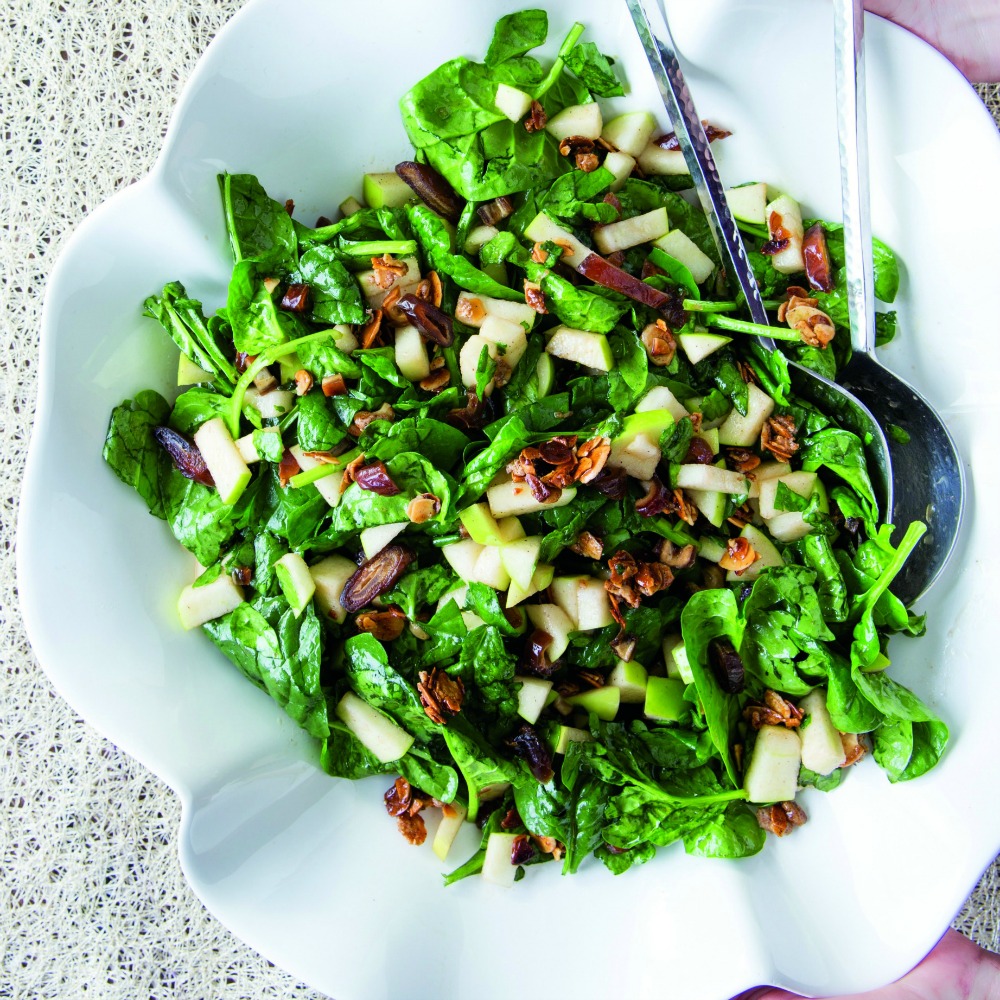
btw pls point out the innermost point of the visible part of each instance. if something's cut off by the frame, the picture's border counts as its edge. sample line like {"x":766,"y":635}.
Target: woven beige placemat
{"x":92,"y":900}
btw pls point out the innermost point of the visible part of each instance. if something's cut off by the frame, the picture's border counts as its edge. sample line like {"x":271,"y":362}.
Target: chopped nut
{"x":270,"y":284}
{"x":801,"y":312}
{"x":303,"y":382}
{"x":658,"y":340}
{"x":587,"y":162}
{"x":391,"y":310}
{"x":588,"y":545}
{"x":383,"y":625}
{"x":387,"y":270}
{"x":652,"y":578}
{"x":780,"y":818}
{"x":623,"y":645}
{"x":591,"y":457}
{"x":364,"y":417}
{"x":739,"y":557}
{"x":535,"y":298}
{"x":440,"y":693}
{"x":436,"y":381}
{"x":334,"y":385}
{"x":370,"y":332}
{"x":413,"y":828}
{"x":778,"y":437}
{"x":854,"y":748}
{"x":423,"y":507}
{"x":350,"y":469}
{"x":470,"y":311}
{"x":537,"y":118}
{"x":741,"y":516}
{"x":676,"y":556}
{"x":776,"y":711}
{"x":429,"y":289}
{"x":576,"y":145}
{"x":747,"y":373}
{"x":742,"y":459}
{"x":590,"y":678}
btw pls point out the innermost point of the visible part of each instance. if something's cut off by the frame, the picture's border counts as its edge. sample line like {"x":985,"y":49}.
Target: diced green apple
{"x":223,"y":459}
{"x":411,"y":353}
{"x":271,"y":405}
{"x":748,"y":202}
{"x":632,"y":232}
{"x":710,"y":436}
{"x":247,"y":449}
{"x":508,"y":529}
{"x":451,"y":823}
{"x":197,"y":605}
{"x":602,"y":701}
{"x":676,"y":659}
{"x":478,"y":237}
{"x":803,"y":484}
{"x":511,"y":102}
{"x":509,"y":338}
{"x":709,"y":477}
{"x":520,"y":559}
{"x":564,"y":590}
{"x":593,"y":606}
{"x":539,"y":581}
{"x":655,"y":159}
{"x":497,"y":865}
{"x":468,"y":360}
{"x":329,"y":576}
{"x":386,"y":190}
{"x":637,"y":448}
{"x":741,"y":431}
{"x":295,"y":580}
{"x":630,"y":132}
{"x":554,"y":622}
{"x":578,"y":119}
{"x":681,"y":247}
{"x":490,"y":570}
{"x":767,"y":555}
{"x":349,"y":206}
{"x":661,"y":398}
{"x":591,"y":350}
{"x":462,"y":557}
{"x":542,"y":229}
{"x":344,"y":340}
{"x":329,"y":486}
{"x":711,"y":503}
{"x":472,"y":310}
{"x":531,"y":697}
{"x":376,"y":538}
{"x":712,"y":549}
{"x":631,"y":679}
{"x":698,"y":346}
{"x":188,"y":373}
{"x":570,"y":734}
{"x":822,"y":747}
{"x":773,"y":772}
{"x":621,"y":165}
{"x":377,"y":732}
{"x":784,"y":221}
{"x":481,"y":525}
{"x":513,"y":498}
{"x":789,"y":527}
{"x":664,"y":699}
{"x":371,"y":284}
{"x":766,"y":470}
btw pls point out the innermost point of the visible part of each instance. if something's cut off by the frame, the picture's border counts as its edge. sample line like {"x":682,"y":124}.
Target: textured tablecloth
{"x":92,"y":899}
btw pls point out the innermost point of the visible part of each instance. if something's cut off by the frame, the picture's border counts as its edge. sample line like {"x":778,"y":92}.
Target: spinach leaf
{"x":487,"y":670}
{"x":440,"y":443}
{"x":335,"y":294}
{"x":586,"y":61}
{"x":259,"y":227}
{"x":317,"y":426}
{"x":579,"y":307}
{"x":195,"y":407}
{"x":569,"y":196}
{"x":421,"y":587}
{"x":515,"y":34}
{"x":251,"y":311}
{"x":478,"y":764}
{"x":842,"y":452}
{"x":627,"y":380}
{"x":131,"y":450}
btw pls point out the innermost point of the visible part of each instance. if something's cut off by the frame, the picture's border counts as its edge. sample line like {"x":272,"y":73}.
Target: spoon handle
{"x":852,"y":128}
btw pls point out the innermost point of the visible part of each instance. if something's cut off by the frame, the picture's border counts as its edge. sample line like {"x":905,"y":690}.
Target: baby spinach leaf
{"x":131,"y":450}
{"x":317,"y":426}
{"x":440,"y":443}
{"x":421,"y":587}
{"x":487,"y":670}
{"x":518,"y":33}
{"x":335,"y":294}
{"x":259,"y":227}
{"x":251,"y":311}
{"x":586,"y":61}
{"x":579,"y":307}
{"x":195,"y":407}
{"x":627,"y":380}
{"x":478,"y":764}
{"x":842,"y":452}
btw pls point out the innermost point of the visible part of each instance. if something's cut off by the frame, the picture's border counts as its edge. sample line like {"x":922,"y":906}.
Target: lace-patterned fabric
{"x":92,"y":899}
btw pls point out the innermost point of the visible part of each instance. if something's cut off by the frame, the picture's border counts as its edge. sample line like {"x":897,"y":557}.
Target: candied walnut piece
{"x":537,"y":118}
{"x":439,"y":377}
{"x":677,"y":556}
{"x":658,"y":341}
{"x":587,"y":162}
{"x":781,"y":818}
{"x":591,"y":457}
{"x":623,"y":568}
{"x":349,"y":470}
{"x":776,"y":711}
{"x":364,"y":417}
{"x":651,"y":578}
{"x":387,"y":269}
{"x":742,"y":459}
{"x":576,"y":145}
{"x":423,"y":507}
{"x":778,"y":437}
{"x":741,"y":516}
{"x":854,"y":748}
{"x":391,"y":310}
{"x":739,"y":556}
{"x":384,"y":625}
{"x":413,"y":828}
{"x":440,"y":694}
{"x":303,"y":382}
{"x":429,"y":289}
{"x":333,"y":385}
{"x":370,"y":333}
{"x":535,"y":298}
{"x":588,"y":545}
{"x":590,"y":678}
{"x":801,"y":313}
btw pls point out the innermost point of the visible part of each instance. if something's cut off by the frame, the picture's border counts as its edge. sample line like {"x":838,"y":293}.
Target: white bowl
{"x":308,"y":869}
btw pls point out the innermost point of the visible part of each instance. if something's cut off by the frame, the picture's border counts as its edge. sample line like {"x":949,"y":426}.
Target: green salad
{"x":497,"y":494}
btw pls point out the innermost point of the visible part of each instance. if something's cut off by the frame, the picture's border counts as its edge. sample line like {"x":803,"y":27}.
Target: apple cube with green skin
{"x":570,"y":734}
{"x":411,"y":353}
{"x":709,"y":477}
{"x":711,"y":549}
{"x":376,"y":538}
{"x":508,"y":336}
{"x":637,"y":447}
{"x":513,"y":498}
{"x":676,"y":659}
{"x":563,"y":591}
{"x":329,"y":577}
{"x":462,"y":557}
{"x":539,"y":581}
{"x":767,"y":555}
{"x":766,"y":470}
{"x":376,"y":732}
{"x":578,"y":119}
{"x":773,"y":772}
{"x":542,"y":229}
{"x":661,"y":398}
{"x":748,"y":202}
{"x":784,"y":220}
{"x":330,"y":486}
{"x":630,"y":132}
{"x":270,"y":405}
{"x":508,"y":528}
{"x":603,"y":702}
{"x":664,"y":699}
{"x":631,"y":679}
{"x":481,"y":525}
{"x":621,"y":165}
{"x":468,"y":360}
{"x":593,"y":606}
{"x":698,"y":346}
{"x":451,"y":823}
{"x":344,"y":340}
{"x":682,"y":248}
{"x":520,"y":559}
{"x":349,"y":206}
{"x":197,"y":605}
{"x":386,"y":190}
{"x":489,"y":569}
{"x":223,"y":459}
{"x":789,"y":527}
{"x":655,"y":159}
{"x":188,"y":373}
{"x":804,"y":484}
{"x":554,"y":622}
{"x":711,"y":503}
{"x":511,"y":102}
{"x":497,"y":866}
{"x":591,"y":350}
{"x":741,"y":431}
{"x":531,"y":697}
{"x":478,"y":237}
{"x":295,"y":580}
{"x":822,"y":747}
{"x":632,"y":232}
{"x":468,"y":308}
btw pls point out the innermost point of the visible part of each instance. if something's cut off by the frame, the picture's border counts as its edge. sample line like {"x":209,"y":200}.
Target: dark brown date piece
{"x":431,"y":188}
{"x":603,"y":273}
{"x":494,"y":211}
{"x":433,"y":323}
{"x":374,"y":577}
{"x":185,"y":455}
{"x":296,"y":298}
{"x":819,"y":270}
{"x":534,"y":751}
{"x":728,"y":665}
{"x":376,"y":479}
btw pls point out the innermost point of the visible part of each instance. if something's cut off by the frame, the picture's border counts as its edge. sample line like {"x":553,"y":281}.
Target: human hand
{"x":955,"y":970}
{"x":966,"y":31}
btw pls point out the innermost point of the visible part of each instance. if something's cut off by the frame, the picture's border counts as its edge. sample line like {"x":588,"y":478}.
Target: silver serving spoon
{"x":928,"y":484}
